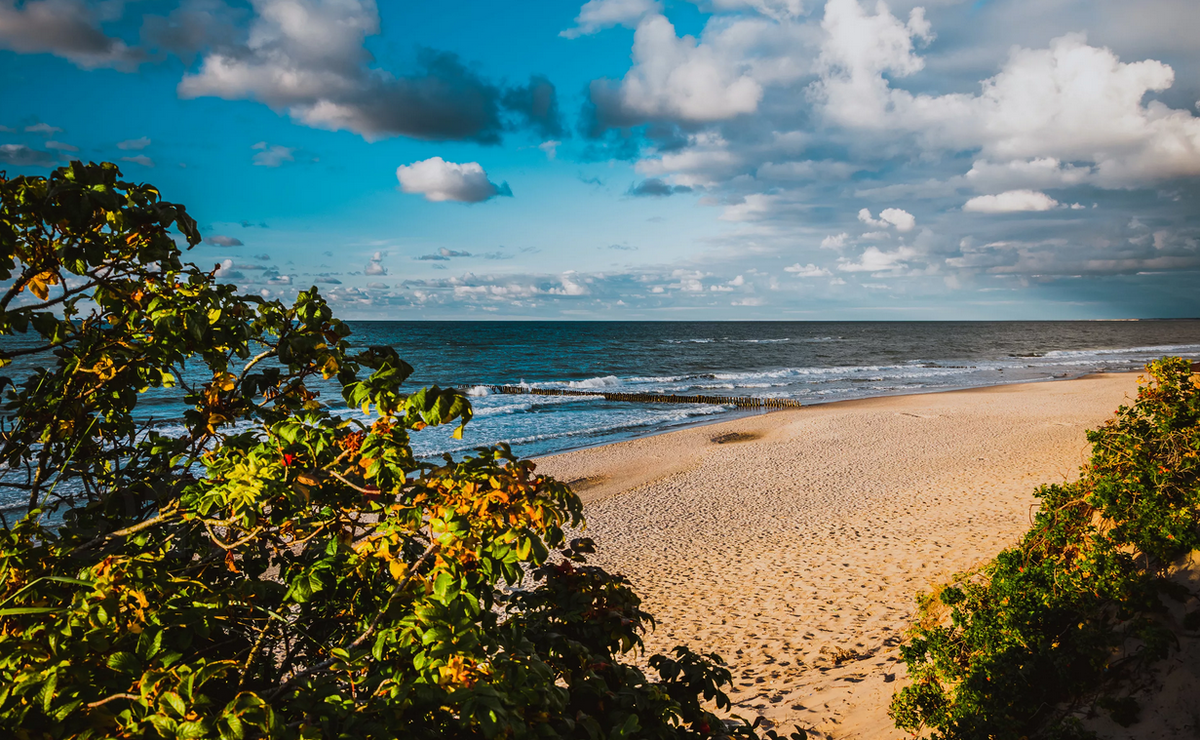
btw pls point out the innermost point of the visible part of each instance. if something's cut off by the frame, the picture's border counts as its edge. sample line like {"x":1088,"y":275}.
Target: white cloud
{"x":550,"y":148}
{"x":307,"y":57}
{"x":858,"y":49}
{"x":1071,"y":102}
{"x":375,"y":266}
{"x":901,"y":219}
{"x":44,"y":129}
{"x":134,"y":144}
{"x":738,"y":281}
{"x":141,"y":159}
{"x":836,"y":241}
{"x":1011,"y":202}
{"x":1041,"y":172}
{"x":809,"y":270}
{"x":272,"y":156}
{"x":676,"y":78}
{"x":752,"y":208}
{"x":597,"y":15}
{"x":777,"y":9}
{"x":875,"y":260}
{"x":60,"y":146}
{"x":221,"y":240}
{"x":439,"y":180}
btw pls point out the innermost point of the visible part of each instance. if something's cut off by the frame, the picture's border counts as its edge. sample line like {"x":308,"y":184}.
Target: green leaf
{"x":231,"y":728}
{"x":175,"y":702}
{"x":14,"y":610}
{"x":193,"y":729}
{"x":445,"y":587}
{"x":125,"y":663}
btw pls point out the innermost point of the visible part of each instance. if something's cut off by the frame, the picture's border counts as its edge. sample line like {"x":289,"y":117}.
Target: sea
{"x":810,"y":362}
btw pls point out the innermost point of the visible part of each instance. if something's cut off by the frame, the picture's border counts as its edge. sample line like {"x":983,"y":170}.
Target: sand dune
{"x":793,"y":543}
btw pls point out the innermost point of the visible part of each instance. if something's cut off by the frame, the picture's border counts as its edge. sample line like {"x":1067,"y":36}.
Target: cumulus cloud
{"x":439,"y":180}
{"x":60,"y":146}
{"x":220,"y":240}
{"x":375,"y":266}
{"x":134,"y":144}
{"x":226,"y":269}
{"x":1071,"y":102}
{"x":66,"y":28}
{"x":809,"y":270}
{"x":874,"y":259}
{"x":673,"y":78}
{"x":307,"y":58}
{"x":22,"y":156}
{"x":901,"y":219}
{"x":272,"y":155}
{"x":596,"y":15}
{"x":655,"y":187}
{"x":1011,"y":202}
{"x":836,"y":241}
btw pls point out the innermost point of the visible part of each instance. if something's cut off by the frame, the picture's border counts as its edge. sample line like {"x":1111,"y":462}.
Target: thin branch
{"x":231,"y":545}
{"x":360,"y":489}
{"x":114,"y":697}
{"x":160,"y":517}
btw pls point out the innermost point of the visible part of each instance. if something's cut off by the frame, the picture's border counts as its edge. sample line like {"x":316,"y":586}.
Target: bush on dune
{"x":274,"y":569}
{"x":1079,"y":602}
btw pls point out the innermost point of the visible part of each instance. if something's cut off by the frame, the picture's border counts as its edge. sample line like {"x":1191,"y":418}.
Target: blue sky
{"x":645,"y":159}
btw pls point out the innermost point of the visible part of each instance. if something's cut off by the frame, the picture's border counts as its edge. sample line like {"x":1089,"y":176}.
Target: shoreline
{"x":794,"y":542}
{"x":735,"y":414}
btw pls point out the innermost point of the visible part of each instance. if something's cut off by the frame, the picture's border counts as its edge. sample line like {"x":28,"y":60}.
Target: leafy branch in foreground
{"x":1078,"y":603}
{"x":273,"y":568}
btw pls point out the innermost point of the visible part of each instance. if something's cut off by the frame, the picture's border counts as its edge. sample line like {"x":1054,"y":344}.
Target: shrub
{"x":274,"y":569}
{"x":1040,"y":626}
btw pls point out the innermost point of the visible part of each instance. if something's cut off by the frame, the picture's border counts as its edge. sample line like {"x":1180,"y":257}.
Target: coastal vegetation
{"x":275,"y":567}
{"x":1050,"y":627}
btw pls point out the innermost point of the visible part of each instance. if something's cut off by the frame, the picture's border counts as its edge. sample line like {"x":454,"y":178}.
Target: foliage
{"x":1075,"y":603}
{"x":274,"y":569}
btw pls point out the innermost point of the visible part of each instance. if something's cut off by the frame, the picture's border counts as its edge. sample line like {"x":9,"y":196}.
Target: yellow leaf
{"x":396,"y":568}
{"x":40,"y":284}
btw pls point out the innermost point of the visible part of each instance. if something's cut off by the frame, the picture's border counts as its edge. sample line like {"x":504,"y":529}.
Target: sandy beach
{"x":793,"y":543}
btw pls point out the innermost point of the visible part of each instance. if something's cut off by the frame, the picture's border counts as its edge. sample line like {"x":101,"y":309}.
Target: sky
{"x":644,"y":159}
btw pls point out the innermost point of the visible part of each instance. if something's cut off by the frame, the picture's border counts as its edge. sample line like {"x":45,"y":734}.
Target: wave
{"x":1155,"y":349}
{"x":666,"y":419}
{"x":605,"y":382}
{"x":529,"y":403}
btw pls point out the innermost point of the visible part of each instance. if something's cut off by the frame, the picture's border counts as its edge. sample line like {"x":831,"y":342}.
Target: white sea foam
{"x":604,"y":382}
{"x":1152,"y":350}
{"x":529,"y":403}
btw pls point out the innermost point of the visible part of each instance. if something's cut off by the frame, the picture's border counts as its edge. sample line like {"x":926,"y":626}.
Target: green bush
{"x":274,"y":570}
{"x":1039,"y":627}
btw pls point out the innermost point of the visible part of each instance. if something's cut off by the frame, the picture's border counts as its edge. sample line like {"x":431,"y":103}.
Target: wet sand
{"x":793,"y":543}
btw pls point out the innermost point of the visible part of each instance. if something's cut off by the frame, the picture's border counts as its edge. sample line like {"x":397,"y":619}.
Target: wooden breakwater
{"x":740,"y":401}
